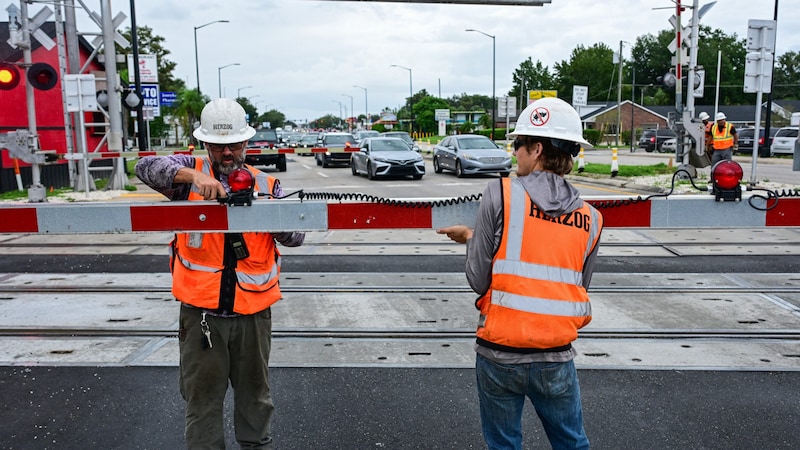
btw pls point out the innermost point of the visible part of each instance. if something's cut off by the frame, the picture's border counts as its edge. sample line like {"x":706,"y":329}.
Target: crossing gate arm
{"x":688,"y":211}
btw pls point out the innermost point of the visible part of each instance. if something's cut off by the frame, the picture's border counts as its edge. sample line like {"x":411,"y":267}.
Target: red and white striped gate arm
{"x":294,"y":215}
{"x":248,"y":151}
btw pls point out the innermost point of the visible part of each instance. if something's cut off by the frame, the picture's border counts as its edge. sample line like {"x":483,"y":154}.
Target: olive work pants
{"x":239,"y":353}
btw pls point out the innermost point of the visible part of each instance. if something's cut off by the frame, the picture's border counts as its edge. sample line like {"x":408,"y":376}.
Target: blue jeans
{"x":554,"y":392}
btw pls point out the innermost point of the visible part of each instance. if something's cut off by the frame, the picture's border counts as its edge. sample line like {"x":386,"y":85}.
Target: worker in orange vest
{"x":226,"y":283}
{"x":725,"y":139}
{"x":530,"y":258}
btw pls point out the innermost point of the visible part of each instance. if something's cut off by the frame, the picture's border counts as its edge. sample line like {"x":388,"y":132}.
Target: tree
{"x":530,"y":76}
{"x":249,"y":109}
{"x":592,"y":67}
{"x":274,"y":117}
{"x":786,"y":77}
{"x":652,"y":58}
{"x":425,"y":110}
{"x":466,"y":102}
{"x":153,"y":44}
{"x":188,"y":108}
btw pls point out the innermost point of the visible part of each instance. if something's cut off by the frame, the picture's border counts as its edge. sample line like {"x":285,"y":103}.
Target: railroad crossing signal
{"x":9,"y":76}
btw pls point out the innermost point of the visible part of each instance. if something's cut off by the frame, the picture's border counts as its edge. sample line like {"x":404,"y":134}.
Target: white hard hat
{"x":721,"y":116}
{"x":703,"y":116}
{"x":223,"y":122}
{"x":551,"y":117}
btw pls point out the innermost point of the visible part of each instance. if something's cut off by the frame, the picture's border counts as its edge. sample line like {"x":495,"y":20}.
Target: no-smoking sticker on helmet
{"x":539,"y":116}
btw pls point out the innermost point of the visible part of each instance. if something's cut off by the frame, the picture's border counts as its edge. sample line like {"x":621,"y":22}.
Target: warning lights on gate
{"x":42,"y":76}
{"x":725,"y":176}
{"x":9,"y":76}
{"x":240,"y":180}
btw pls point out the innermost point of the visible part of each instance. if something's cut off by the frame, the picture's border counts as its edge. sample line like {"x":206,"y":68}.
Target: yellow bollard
{"x":581,"y":164}
{"x":614,"y":163}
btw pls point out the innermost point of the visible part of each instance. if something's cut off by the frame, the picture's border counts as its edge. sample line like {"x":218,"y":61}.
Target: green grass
{"x":625,"y":171}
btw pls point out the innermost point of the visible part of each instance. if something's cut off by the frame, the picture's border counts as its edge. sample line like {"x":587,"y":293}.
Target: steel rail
{"x":68,"y":289}
{"x":461,"y":333}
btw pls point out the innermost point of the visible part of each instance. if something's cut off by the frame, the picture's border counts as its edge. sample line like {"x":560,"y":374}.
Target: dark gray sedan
{"x":470,"y":154}
{"x":386,"y":157}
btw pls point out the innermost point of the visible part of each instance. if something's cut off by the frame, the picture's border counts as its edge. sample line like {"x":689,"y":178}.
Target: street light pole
{"x":410,"y":97}
{"x":239,"y":91}
{"x":366,"y":106}
{"x":340,"y":111}
{"x":494,"y":70}
{"x":352,"y":113}
{"x":196,"y":61}
{"x":219,"y":76}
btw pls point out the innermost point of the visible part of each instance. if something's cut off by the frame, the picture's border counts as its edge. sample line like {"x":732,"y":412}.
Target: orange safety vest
{"x":536,"y":301}
{"x":723,"y":140}
{"x":196,"y":262}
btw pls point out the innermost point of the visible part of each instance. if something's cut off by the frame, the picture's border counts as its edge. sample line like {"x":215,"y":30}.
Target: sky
{"x":304,"y":57}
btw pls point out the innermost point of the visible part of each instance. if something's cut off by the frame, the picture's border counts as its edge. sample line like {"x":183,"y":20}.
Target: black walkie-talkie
{"x":238,"y":245}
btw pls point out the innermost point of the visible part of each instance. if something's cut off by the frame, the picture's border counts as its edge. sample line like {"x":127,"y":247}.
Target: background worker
{"x":709,"y":138}
{"x":725,"y":139}
{"x":226,"y":283}
{"x":530,"y":258}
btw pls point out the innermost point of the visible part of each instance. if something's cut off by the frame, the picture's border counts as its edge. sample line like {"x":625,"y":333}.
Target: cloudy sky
{"x":303,"y":56}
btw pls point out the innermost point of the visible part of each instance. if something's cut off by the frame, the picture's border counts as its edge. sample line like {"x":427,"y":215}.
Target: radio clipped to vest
{"x":237,"y":243}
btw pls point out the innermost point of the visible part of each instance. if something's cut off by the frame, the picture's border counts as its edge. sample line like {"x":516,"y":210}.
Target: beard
{"x":230,"y":164}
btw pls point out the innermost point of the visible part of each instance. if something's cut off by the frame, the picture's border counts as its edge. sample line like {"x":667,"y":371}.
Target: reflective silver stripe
{"x":262,"y":183}
{"x":206,"y":169}
{"x":198,"y":267}
{"x":541,"y":305}
{"x":257,"y":279}
{"x":516,"y":220}
{"x":537,"y":271}
{"x":593,"y":231}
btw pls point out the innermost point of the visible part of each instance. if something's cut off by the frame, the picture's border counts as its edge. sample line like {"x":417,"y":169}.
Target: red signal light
{"x":42,"y":76}
{"x":240,"y":180}
{"x":725,"y":176}
{"x":9,"y":76}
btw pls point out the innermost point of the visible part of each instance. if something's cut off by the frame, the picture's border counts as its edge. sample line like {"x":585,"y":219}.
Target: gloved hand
{"x":736,"y":148}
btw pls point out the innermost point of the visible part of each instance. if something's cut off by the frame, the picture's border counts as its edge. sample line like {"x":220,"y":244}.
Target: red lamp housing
{"x":725,"y":176}
{"x":241,"y":180}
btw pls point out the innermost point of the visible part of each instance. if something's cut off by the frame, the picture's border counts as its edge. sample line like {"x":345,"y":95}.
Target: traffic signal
{"x":9,"y":76}
{"x":42,"y":76}
{"x":669,"y":80}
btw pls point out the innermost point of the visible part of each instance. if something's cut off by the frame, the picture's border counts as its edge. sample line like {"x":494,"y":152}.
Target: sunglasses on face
{"x":217,"y":148}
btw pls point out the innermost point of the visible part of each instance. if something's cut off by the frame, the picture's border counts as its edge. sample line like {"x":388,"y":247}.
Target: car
{"x":670,"y":145}
{"x":653,"y":138}
{"x":783,"y":142}
{"x":386,"y":157}
{"x":469,"y":154}
{"x":334,"y":140}
{"x":263,"y":139}
{"x":404,"y":136}
{"x":746,"y":141}
{"x":360,"y":135}
{"x":307,"y":141}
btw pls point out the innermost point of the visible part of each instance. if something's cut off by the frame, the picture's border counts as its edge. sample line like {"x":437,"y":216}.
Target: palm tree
{"x":188,"y":108}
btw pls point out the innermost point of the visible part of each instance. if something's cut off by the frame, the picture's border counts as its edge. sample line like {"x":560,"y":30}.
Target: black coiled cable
{"x":358,"y":196}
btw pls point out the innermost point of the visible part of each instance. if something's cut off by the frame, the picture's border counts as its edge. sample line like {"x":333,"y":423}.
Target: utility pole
{"x":619,"y":96}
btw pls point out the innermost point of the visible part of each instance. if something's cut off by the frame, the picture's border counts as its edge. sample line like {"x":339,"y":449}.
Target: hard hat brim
{"x":584,"y":143}
{"x":232,"y":138}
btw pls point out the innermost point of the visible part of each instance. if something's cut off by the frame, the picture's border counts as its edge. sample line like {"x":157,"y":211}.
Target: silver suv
{"x":783,"y":142}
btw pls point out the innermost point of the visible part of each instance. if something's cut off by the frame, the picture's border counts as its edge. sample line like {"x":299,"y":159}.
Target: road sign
{"x":80,"y":92}
{"x":761,"y":34}
{"x":507,"y":106}
{"x":441,"y":114}
{"x":168,"y":98}
{"x":758,"y":69}
{"x":580,"y":95}
{"x":15,"y":36}
{"x":148,"y":69}
{"x":150,"y":98}
{"x":536,"y":95}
